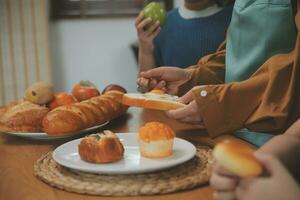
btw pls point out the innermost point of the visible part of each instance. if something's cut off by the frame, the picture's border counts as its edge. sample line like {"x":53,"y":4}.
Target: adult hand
{"x":279,"y":184}
{"x":223,"y":182}
{"x":167,"y":78}
{"x":146,"y":32}
{"x":188,"y":113}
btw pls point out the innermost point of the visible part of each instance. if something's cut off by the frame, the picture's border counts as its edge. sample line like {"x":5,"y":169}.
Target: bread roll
{"x":152,"y":101}
{"x":237,"y":158}
{"x":102,"y":147}
{"x":22,"y":116}
{"x":95,"y":111}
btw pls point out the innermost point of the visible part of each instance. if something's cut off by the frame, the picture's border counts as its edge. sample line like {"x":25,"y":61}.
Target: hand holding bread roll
{"x":237,"y":158}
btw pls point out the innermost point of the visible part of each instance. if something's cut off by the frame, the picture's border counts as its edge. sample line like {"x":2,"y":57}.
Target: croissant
{"x":75,"y":117}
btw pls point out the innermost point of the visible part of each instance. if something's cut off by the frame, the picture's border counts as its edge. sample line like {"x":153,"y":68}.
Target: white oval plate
{"x":132,"y":163}
{"x":45,"y":136}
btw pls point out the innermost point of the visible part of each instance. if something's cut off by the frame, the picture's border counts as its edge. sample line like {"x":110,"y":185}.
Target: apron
{"x":258,"y":30}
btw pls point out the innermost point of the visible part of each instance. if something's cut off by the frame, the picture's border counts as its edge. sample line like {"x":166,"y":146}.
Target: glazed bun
{"x":101,"y":148}
{"x":237,"y":158}
{"x":152,"y":100}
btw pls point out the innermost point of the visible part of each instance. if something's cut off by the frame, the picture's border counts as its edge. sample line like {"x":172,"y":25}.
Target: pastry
{"x":237,"y":158}
{"x":102,"y":147}
{"x":156,"y":140}
{"x":23,"y":116}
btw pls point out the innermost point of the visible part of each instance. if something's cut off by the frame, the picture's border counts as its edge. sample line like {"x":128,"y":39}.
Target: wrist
{"x":188,"y":74}
{"x":146,"y":48}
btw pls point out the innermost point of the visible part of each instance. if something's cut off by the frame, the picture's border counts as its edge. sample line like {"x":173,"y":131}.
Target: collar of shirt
{"x":190,"y":14}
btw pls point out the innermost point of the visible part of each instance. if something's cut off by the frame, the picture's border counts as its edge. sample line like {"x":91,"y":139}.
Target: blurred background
{"x":65,"y":41}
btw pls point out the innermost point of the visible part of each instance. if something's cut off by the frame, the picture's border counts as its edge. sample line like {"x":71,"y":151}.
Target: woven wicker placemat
{"x":188,"y":175}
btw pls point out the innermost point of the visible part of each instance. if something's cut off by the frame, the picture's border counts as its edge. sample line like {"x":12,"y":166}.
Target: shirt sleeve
{"x":261,"y":103}
{"x":209,"y":70}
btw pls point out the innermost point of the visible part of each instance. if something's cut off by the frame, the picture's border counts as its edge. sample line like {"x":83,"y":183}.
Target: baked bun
{"x":237,"y":158}
{"x":152,"y":100}
{"x":156,"y":140}
{"x":22,"y":116}
{"x":101,"y":148}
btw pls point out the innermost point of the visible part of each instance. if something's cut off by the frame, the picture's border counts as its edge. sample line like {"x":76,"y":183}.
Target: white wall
{"x":94,"y":49}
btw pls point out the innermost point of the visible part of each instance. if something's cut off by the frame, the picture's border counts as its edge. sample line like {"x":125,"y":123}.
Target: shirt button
{"x":203,"y":93}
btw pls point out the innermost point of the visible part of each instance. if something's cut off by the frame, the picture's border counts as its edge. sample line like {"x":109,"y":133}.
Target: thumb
{"x":153,"y":73}
{"x":271,"y":164}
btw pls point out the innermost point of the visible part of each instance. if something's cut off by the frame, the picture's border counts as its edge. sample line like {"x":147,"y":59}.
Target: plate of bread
{"x":44,"y":114}
{"x":45,"y":136}
{"x":153,"y":148}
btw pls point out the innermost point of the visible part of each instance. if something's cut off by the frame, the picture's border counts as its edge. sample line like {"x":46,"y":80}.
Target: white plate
{"x":132,"y":163}
{"x":45,"y":136}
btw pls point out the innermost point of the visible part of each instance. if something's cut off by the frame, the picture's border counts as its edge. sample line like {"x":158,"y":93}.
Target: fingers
{"x":160,"y":85}
{"x":140,"y":27}
{"x":223,"y":183}
{"x":153,"y":73}
{"x":187,"y":112}
{"x":139,"y":18}
{"x":194,"y":119}
{"x":187,"y":98}
{"x":217,"y":168}
{"x":152,"y":29}
{"x":223,"y":195}
{"x":179,"y":113}
{"x":270,"y":162}
{"x":156,"y":32}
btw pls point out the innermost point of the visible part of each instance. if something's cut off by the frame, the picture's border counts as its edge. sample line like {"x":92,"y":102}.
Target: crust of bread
{"x":23,"y":116}
{"x":139,"y":100}
{"x":73,"y":118}
{"x":237,"y":158}
{"x":106,"y":150}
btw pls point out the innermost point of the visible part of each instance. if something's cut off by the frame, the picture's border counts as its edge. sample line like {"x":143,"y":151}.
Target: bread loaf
{"x":75,"y":117}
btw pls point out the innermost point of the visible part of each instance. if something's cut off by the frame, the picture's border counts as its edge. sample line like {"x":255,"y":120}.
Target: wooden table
{"x":18,"y":155}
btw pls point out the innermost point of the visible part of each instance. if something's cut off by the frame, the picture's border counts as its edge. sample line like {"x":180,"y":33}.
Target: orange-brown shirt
{"x":268,"y":101}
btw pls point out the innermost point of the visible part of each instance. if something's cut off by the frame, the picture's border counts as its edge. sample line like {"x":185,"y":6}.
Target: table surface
{"x":18,"y":155}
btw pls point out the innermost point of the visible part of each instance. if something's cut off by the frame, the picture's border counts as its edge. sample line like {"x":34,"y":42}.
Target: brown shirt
{"x":268,"y":101}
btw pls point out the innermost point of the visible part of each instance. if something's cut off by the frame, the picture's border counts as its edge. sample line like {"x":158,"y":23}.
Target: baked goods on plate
{"x":132,"y":162}
{"x":237,"y":158}
{"x":102,"y":147}
{"x":152,"y":100}
{"x":156,"y":140}
{"x":23,"y":116}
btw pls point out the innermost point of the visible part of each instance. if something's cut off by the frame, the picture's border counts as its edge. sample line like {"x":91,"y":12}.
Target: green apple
{"x":156,"y":12}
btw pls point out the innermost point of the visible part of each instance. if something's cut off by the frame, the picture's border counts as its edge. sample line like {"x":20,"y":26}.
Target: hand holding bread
{"x":166,"y":78}
{"x":237,"y":158}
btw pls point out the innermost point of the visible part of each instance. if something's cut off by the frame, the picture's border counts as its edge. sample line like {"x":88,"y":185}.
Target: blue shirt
{"x":182,"y":42}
